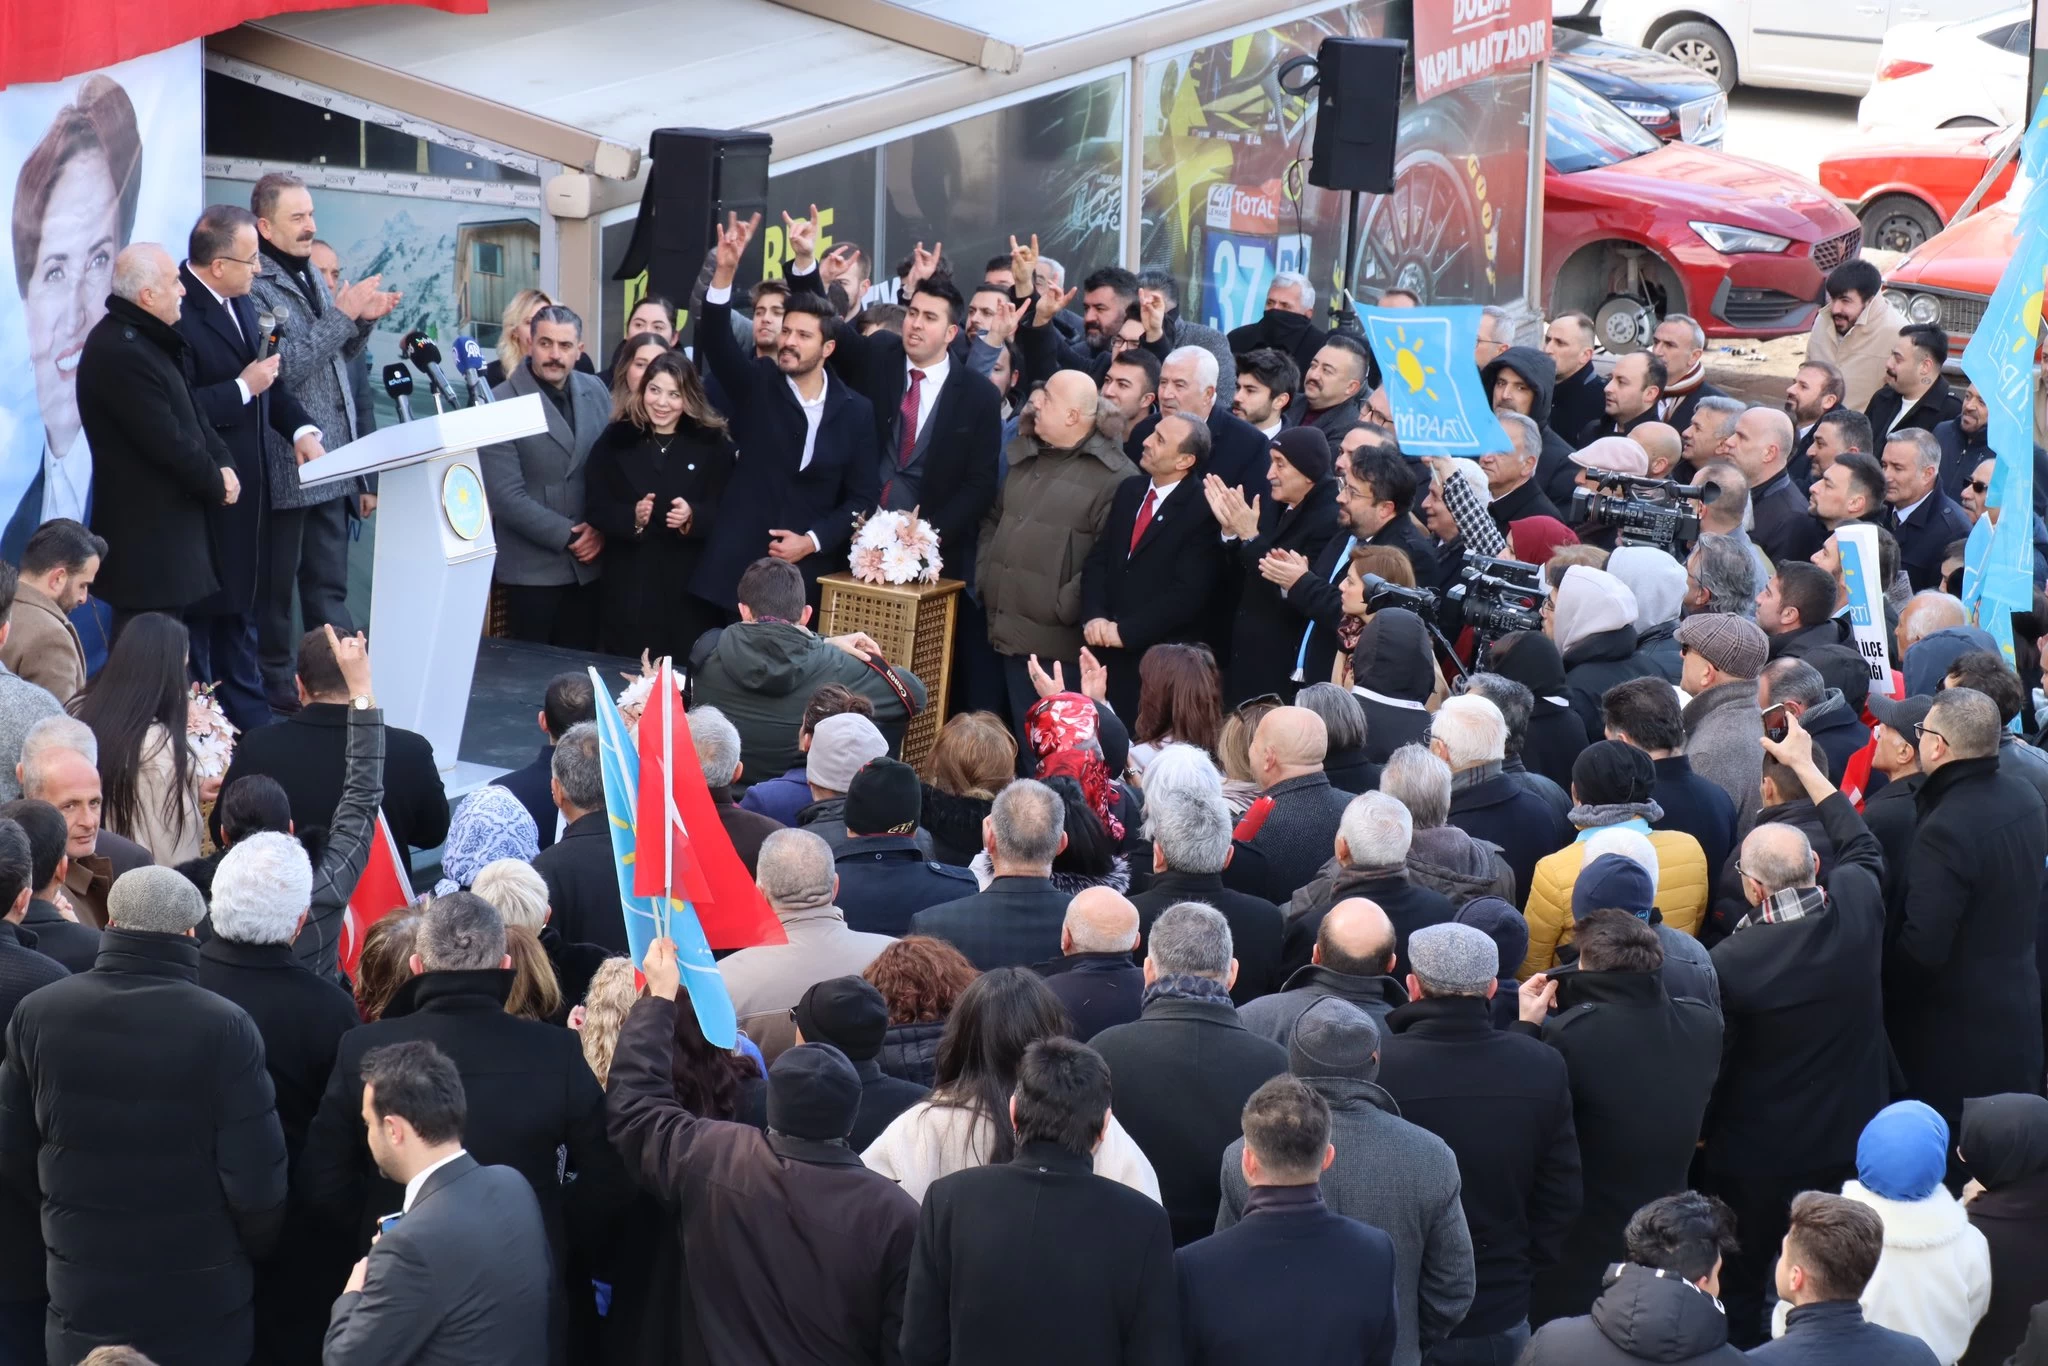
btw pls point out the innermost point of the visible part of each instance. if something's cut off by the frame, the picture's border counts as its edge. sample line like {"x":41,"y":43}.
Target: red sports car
{"x":1907,"y":189}
{"x":1634,"y":228}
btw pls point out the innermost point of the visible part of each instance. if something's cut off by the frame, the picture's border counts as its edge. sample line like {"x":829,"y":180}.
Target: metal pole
{"x":1349,"y":286}
{"x":1532,"y":230}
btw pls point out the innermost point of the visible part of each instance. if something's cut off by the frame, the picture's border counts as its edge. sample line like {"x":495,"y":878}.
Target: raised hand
{"x":837,"y":264}
{"x":802,"y":234}
{"x":352,"y":657}
{"x":1024,"y":266}
{"x":1233,"y":514}
{"x":664,"y":976}
{"x":1004,"y":325}
{"x":1094,"y":673}
{"x":923,"y":265}
{"x":1052,"y":303}
{"x":1152,"y":312}
{"x":733,"y":240}
{"x":1046,"y":683}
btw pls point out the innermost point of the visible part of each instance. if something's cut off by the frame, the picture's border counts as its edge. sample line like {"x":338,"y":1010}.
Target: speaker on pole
{"x":1358,"y":114}
{"x":699,"y":175}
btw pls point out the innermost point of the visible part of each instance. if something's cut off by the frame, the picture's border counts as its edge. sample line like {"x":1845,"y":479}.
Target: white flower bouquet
{"x":895,"y":547}
{"x":209,"y":733}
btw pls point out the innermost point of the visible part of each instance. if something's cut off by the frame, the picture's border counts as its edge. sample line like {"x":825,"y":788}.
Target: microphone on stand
{"x":398,"y":384}
{"x":426,"y":358}
{"x":469,"y":359}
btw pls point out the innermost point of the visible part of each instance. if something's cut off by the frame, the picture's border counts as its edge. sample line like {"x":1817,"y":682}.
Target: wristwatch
{"x":363,"y":703}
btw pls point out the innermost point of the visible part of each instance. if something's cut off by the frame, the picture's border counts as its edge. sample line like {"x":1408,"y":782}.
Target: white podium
{"x":432,"y":581}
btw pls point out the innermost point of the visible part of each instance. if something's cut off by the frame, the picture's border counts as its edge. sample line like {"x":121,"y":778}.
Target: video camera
{"x":1380,"y":595}
{"x":1652,"y":512}
{"x":1499,"y":597}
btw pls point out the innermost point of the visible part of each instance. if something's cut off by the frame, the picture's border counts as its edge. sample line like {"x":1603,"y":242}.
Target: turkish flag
{"x":681,"y":848}
{"x":382,"y":889}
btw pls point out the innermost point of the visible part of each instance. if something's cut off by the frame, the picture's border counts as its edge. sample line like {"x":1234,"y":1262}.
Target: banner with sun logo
{"x":2000,"y":359}
{"x":1433,"y":386}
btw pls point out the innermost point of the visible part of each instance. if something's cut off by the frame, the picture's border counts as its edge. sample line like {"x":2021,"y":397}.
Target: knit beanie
{"x":1610,"y":773}
{"x":1903,"y":1152}
{"x":1612,"y":882}
{"x":1308,"y":450}
{"x":813,"y":1092}
{"x":884,"y":799}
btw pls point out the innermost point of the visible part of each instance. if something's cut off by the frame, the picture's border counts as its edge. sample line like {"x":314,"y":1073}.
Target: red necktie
{"x":1144,"y":518}
{"x":906,"y":441}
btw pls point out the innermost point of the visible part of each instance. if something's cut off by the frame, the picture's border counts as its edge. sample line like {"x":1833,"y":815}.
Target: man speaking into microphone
{"x":241,"y":395}
{"x":306,"y":542}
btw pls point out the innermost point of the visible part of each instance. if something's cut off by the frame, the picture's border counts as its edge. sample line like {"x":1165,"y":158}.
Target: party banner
{"x":2000,"y":360}
{"x":1857,"y":543}
{"x":1458,"y":41}
{"x":1440,"y":407}
{"x":90,"y":164}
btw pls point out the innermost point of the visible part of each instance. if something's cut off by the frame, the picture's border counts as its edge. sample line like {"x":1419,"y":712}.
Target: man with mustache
{"x":320,"y":343}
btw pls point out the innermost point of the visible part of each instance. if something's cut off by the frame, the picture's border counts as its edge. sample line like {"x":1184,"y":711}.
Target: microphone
{"x":426,"y":357}
{"x":398,"y":384}
{"x":270,"y":322}
{"x":469,"y":359}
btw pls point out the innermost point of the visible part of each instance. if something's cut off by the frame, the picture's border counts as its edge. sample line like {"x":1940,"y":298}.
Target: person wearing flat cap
{"x":1298,"y":513}
{"x":795,"y":1250}
{"x":185,"y":1149}
{"x":1720,"y":657}
{"x":885,"y":875}
{"x":1889,"y":811}
{"x":850,"y":1014}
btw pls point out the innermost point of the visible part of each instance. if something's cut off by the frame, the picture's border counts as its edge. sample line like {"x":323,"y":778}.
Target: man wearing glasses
{"x":240,"y":395}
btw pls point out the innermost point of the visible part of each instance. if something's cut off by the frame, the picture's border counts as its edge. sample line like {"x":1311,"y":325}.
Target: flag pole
{"x":668,"y":777}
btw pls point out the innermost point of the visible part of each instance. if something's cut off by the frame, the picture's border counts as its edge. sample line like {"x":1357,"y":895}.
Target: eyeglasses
{"x":1921,"y":732}
{"x":1977,"y":486}
{"x":254,"y":262}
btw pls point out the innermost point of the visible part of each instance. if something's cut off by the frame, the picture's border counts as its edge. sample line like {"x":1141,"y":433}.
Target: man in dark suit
{"x":813,"y":457}
{"x":1191,"y":846}
{"x":1016,"y":922}
{"x":1923,"y":518}
{"x":568,"y":702}
{"x":998,"y":1245}
{"x":305,"y":753}
{"x":938,"y":425}
{"x":1630,"y":398}
{"x":1293,"y":1280}
{"x":161,"y":467}
{"x":548,"y":563}
{"x":1299,"y":513}
{"x":1313,"y":587}
{"x":582,"y":877}
{"x":1153,"y":570}
{"x":1237,"y":450}
{"x":1914,"y":393}
{"x":462,"y":1275}
{"x":1681,"y":343}
{"x":1784,"y":525}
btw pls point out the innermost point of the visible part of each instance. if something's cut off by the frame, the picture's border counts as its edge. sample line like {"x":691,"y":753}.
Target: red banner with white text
{"x":47,"y":40}
{"x":1461,"y":41}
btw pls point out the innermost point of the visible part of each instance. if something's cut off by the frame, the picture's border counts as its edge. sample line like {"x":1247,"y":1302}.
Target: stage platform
{"x":501,"y":731}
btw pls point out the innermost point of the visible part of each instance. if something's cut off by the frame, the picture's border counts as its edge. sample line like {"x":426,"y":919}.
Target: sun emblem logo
{"x":1408,"y":363}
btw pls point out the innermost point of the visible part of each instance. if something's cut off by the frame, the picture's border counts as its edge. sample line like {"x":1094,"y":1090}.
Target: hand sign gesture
{"x":803,"y":240}
{"x":923,"y":265}
{"x":1052,"y":303}
{"x":733,"y":239}
{"x":1024,"y":265}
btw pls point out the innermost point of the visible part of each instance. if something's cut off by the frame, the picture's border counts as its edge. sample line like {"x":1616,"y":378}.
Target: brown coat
{"x":88,"y":880}
{"x":1036,"y":538}
{"x":43,"y":646}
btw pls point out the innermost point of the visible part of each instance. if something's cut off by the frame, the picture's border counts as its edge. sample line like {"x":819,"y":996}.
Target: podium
{"x":432,"y":579}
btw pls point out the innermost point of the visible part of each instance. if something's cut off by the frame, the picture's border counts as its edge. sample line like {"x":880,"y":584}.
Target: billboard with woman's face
{"x":89,"y":164}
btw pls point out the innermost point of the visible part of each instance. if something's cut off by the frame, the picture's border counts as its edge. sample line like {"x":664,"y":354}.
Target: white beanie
{"x":1657,"y":580}
{"x":1590,"y":601}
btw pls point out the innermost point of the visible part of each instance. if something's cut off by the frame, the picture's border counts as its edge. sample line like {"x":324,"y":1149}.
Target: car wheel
{"x":1426,"y":237}
{"x":1703,"y":47}
{"x":1624,"y":324}
{"x":1898,"y":222}
{"x":1969,"y":121}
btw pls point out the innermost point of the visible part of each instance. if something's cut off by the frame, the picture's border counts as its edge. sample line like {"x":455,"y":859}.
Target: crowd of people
{"x":1281,"y":955}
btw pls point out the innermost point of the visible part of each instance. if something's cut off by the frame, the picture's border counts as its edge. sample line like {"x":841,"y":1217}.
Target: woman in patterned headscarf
{"x":490,"y":824}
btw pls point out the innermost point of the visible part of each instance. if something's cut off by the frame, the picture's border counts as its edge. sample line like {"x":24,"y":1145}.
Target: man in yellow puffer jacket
{"x":1611,"y":786}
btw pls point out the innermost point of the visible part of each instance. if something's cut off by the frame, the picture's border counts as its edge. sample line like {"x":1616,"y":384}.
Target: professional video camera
{"x":1653,"y":512}
{"x":1380,"y":595}
{"x":1499,"y":597}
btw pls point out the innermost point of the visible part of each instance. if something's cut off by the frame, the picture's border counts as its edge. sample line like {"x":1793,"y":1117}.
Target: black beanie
{"x":1308,"y":450}
{"x":884,"y":799}
{"x":813,"y":1092}
{"x":1610,"y":773}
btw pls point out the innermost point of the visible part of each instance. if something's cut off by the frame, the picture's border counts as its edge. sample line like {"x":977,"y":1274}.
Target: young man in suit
{"x":461,"y":1275}
{"x":238,"y":391}
{"x":1152,"y":572}
{"x":812,"y":460}
{"x":568,"y":701}
{"x":1914,"y":394}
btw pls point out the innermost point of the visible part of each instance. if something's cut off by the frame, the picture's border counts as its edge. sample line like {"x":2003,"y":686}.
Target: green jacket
{"x":1036,"y":538}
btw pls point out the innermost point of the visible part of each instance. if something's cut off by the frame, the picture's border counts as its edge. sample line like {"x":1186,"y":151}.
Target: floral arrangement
{"x":209,"y":733}
{"x":895,"y":547}
{"x":633,"y":698}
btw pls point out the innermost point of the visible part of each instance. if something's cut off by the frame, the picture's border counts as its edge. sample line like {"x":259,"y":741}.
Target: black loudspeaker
{"x":699,"y":175}
{"x":1358,"y":114}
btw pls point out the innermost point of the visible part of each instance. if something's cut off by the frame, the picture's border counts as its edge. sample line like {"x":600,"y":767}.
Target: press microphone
{"x":426,"y":357}
{"x":398,"y":384}
{"x":270,"y":322}
{"x":469,"y":359}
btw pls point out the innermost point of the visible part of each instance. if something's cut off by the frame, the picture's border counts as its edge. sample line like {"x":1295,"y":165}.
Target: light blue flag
{"x":1425,"y":355}
{"x":1974,"y":552}
{"x":2000,"y":360}
{"x":620,"y":763}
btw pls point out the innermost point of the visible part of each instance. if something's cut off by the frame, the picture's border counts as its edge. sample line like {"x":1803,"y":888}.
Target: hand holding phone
{"x":1774,"y":722}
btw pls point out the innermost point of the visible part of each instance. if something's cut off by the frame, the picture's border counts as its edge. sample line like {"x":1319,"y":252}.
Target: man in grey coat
{"x":547,"y":554}
{"x":1389,"y":1173}
{"x":1353,"y":960}
{"x":1724,"y":731}
{"x":461,"y":1276}
{"x":321,"y":336}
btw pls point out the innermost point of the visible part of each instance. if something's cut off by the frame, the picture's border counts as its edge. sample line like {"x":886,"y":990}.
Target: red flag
{"x":681,"y":846}
{"x":382,"y":889}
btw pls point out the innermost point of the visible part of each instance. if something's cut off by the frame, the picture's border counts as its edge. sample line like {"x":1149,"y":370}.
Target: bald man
{"x":1097,"y":976}
{"x":1353,"y":958}
{"x":1784,"y":526}
{"x":1064,"y":474}
{"x":1299,"y":830}
{"x":160,"y":468}
{"x":1666,"y":449}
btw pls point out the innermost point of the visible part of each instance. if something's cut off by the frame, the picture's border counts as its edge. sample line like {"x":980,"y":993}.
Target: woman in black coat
{"x":652,"y":486}
{"x":2004,"y":1147}
{"x":1556,"y":731}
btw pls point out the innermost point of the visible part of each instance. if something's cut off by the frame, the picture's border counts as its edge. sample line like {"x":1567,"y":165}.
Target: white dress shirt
{"x":412,"y":1187}
{"x":67,"y":479}
{"x":813,"y":409}
{"x":928,"y":395}
{"x":241,"y":384}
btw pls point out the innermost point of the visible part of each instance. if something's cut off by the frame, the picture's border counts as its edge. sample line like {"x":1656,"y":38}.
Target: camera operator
{"x":1610,"y":455}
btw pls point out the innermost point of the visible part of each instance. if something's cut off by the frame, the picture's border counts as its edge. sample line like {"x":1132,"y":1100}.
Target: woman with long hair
{"x":652,"y":485}
{"x":921,"y":979}
{"x":629,"y":365}
{"x":966,"y":1122}
{"x":713,"y":1082}
{"x":1180,"y":701}
{"x":386,"y":961}
{"x":136,"y":706}
{"x":1391,"y":564}
{"x":975,"y":758}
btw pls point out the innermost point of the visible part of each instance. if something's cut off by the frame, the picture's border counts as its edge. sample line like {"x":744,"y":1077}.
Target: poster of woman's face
{"x":91,"y":164}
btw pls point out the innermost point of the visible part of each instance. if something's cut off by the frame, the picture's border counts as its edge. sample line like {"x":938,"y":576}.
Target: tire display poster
{"x":88,"y":164}
{"x":1460,"y":41}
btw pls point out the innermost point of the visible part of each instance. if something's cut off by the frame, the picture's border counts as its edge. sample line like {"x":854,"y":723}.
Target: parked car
{"x":1824,"y":45}
{"x":1584,"y":12}
{"x":1906,"y":189}
{"x":1968,"y":73}
{"x":1661,"y":93}
{"x":1948,"y":279}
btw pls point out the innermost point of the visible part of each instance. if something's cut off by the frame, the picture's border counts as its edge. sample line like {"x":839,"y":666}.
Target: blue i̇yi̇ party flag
{"x":1439,"y":405}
